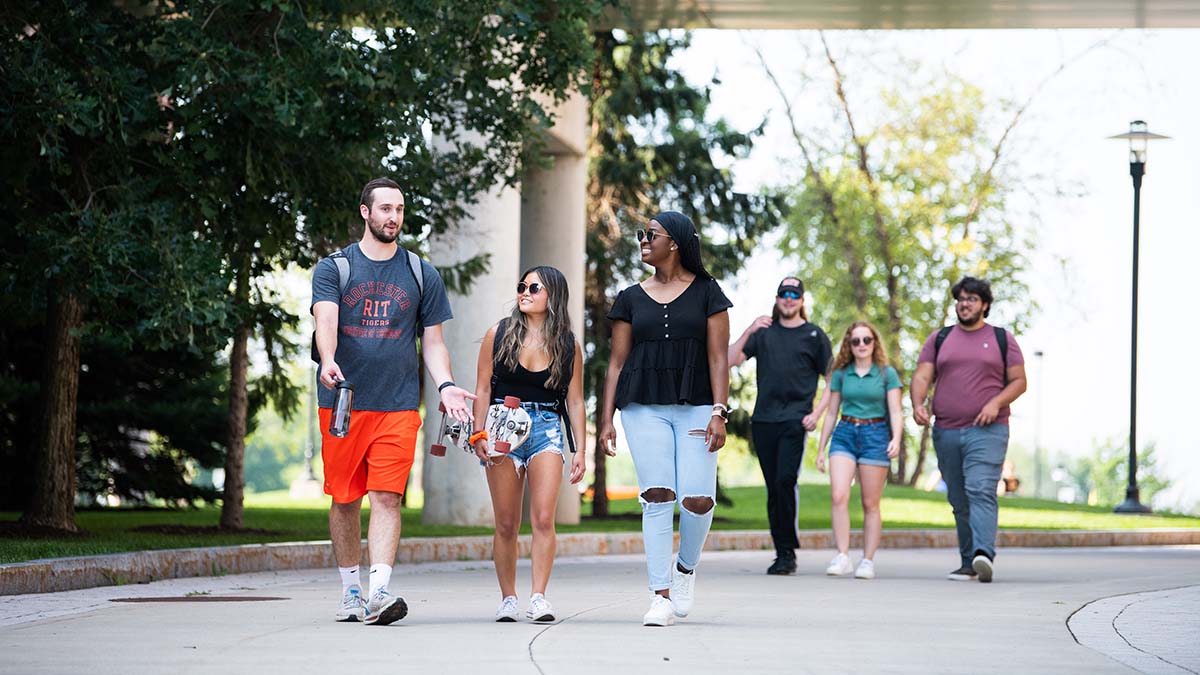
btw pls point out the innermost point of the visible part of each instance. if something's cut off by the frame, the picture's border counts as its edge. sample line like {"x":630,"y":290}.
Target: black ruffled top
{"x":668,"y":363}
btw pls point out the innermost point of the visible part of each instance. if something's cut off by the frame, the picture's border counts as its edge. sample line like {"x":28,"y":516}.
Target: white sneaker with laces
{"x":507,"y":612}
{"x":540,"y":609}
{"x":683,"y":591}
{"x":353,"y":607}
{"x":866,"y":569}
{"x":384,"y":608}
{"x":661,"y":612}
{"x":840,"y":566}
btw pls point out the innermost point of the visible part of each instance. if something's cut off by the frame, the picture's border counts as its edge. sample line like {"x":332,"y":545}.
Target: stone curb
{"x":64,"y":574}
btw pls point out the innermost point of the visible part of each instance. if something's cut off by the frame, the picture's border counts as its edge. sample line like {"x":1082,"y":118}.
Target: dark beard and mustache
{"x":970,"y":319}
{"x":380,"y":235}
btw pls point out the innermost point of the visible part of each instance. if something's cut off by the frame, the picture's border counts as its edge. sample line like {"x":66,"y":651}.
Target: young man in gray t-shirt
{"x":366,"y":332}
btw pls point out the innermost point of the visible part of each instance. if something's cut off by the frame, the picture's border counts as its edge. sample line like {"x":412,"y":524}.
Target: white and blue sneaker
{"x":353,"y":607}
{"x":384,"y":608}
{"x":507,"y":611}
{"x":540,"y":609}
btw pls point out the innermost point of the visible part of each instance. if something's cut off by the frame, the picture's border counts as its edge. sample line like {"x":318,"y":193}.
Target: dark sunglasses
{"x":854,"y":342}
{"x":649,"y":235}
{"x":792,"y":295}
{"x":533,"y":288}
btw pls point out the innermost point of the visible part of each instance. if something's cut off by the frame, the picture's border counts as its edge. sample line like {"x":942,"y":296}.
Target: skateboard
{"x":508,"y":426}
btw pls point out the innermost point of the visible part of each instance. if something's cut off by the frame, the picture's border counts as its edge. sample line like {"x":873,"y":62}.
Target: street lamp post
{"x":1139,"y":137}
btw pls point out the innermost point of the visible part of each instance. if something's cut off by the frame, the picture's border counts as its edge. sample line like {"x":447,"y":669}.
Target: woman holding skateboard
{"x":668,"y":373}
{"x":532,"y":356}
{"x":867,"y":392}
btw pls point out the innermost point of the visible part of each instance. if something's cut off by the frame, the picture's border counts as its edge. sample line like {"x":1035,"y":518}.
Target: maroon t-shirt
{"x":970,"y":372}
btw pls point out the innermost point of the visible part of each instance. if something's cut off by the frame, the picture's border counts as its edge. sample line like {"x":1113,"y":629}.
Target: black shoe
{"x":964,"y":573}
{"x":784,"y":564}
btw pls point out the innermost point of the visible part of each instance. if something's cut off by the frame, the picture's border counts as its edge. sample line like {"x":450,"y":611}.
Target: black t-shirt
{"x":789,"y":362}
{"x":668,"y":362}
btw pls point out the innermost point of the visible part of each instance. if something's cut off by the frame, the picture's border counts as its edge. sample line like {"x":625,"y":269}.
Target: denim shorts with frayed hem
{"x":864,"y":443}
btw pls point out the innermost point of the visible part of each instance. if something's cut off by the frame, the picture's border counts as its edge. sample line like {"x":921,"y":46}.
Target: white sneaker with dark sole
{"x":661,"y":612}
{"x":540,"y":610}
{"x":384,"y":608}
{"x":507,"y":612}
{"x":983,"y":567}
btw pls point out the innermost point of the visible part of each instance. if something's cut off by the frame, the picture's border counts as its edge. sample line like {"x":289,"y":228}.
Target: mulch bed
{"x":200,"y":530}
{"x":15,"y":529}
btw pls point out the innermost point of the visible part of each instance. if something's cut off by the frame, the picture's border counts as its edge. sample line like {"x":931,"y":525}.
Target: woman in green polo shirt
{"x":867,"y":392}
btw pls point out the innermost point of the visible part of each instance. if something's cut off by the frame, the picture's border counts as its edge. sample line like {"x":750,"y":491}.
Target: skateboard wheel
{"x":437,"y":450}
{"x":442,"y":408}
{"x":503,"y":447}
{"x":512,"y":402}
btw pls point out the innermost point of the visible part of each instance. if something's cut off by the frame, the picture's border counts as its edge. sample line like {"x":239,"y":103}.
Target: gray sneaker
{"x":384,"y":608}
{"x":354,"y":607}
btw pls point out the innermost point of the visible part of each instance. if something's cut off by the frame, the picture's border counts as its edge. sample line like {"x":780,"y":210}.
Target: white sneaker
{"x":661,"y":612}
{"x":539,"y":609}
{"x":983,"y":567}
{"x":866,"y":569}
{"x":384,"y":608}
{"x":683,"y":591}
{"x":354,"y":606}
{"x":840,"y":566}
{"x":507,"y":611}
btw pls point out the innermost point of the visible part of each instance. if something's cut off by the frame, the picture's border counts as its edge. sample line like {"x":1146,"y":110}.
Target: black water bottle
{"x":339,"y":421}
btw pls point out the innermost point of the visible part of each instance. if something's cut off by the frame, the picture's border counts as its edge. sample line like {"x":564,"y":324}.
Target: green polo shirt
{"x":862,"y":396}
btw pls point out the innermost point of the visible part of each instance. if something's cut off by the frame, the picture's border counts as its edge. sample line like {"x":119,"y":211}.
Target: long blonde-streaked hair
{"x":845,"y":356}
{"x":560,"y":340}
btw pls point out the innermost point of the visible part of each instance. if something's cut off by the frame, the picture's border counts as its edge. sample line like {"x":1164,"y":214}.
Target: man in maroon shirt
{"x":979,"y":371}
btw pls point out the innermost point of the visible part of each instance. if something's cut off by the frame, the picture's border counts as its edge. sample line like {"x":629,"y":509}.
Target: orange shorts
{"x":376,"y":455}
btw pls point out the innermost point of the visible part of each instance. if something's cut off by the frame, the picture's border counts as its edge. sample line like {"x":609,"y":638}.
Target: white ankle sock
{"x":381,"y":576}
{"x":349,"y":577}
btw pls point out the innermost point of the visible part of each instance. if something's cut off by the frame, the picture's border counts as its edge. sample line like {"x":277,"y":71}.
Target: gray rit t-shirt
{"x":789,"y":361}
{"x":377,"y":318}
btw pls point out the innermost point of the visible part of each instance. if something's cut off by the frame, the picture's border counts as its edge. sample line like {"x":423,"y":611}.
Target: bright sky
{"x":1084,"y":197}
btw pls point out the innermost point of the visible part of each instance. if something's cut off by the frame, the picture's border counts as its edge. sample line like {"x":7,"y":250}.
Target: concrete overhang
{"x":903,"y":14}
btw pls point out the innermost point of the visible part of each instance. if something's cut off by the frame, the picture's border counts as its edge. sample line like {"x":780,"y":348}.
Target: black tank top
{"x":527,"y":385}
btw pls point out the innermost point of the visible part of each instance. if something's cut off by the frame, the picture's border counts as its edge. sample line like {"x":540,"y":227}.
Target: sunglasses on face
{"x":790,"y":295}
{"x":648,"y":235}
{"x":854,"y":342}
{"x":533,"y":288}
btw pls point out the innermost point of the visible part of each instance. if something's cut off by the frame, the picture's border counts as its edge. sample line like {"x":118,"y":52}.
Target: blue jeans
{"x":864,"y":443}
{"x":971,"y":461}
{"x":667,"y":456}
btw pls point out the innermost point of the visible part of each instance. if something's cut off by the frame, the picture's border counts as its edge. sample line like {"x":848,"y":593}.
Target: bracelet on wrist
{"x":478,"y":436}
{"x":447,"y":383}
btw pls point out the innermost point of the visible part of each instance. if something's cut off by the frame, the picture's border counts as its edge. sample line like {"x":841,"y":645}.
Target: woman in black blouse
{"x":669,"y":375}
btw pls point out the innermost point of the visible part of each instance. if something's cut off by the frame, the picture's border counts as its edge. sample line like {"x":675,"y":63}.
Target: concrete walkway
{"x":909,"y":619}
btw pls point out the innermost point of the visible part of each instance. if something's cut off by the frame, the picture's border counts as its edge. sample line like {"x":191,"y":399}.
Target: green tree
{"x":887,"y":217}
{"x":282,"y":111}
{"x":1102,"y":476}
{"x":90,"y":222}
{"x":652,"y":148}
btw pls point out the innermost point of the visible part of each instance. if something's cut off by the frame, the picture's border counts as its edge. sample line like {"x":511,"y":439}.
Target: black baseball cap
{"x":795,"y":285}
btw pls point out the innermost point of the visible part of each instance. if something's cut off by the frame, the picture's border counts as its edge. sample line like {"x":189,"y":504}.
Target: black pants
{"x":780,"y":448}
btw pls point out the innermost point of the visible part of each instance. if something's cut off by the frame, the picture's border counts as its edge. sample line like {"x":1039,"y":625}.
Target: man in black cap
{"x":792,"y":353}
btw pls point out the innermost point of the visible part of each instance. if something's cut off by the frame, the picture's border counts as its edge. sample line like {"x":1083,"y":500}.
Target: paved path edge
{"x":64,"y":574}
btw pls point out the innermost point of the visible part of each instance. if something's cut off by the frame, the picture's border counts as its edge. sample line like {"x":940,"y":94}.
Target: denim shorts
{"x":864,"y":443}
{"x":544,"y":436}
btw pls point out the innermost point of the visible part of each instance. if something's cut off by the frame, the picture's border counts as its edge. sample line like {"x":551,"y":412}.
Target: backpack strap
{"x":1002,"y":343}
{"x":342,"y":261}
{"x":942,"y":334}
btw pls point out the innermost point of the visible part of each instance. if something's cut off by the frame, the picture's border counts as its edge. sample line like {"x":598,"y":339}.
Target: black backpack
{"x":342,"y":261}
{"x":1001,"y":342}
{"x":561,"y":393}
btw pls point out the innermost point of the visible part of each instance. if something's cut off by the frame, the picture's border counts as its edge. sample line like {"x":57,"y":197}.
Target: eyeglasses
{"x":533,"y":288}
{"x":649,"y":236}
{"x":790,"y":295}
{"x":854,"y":342}
{"x":969,"y":300}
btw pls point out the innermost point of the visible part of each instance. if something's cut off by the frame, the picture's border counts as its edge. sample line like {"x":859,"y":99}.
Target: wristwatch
{"x":721,"y":410}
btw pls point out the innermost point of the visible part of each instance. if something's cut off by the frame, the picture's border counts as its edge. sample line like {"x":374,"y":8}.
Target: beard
{"x":380,"y":234}
{"x":969,"y":318}
{"x":789,"y":314}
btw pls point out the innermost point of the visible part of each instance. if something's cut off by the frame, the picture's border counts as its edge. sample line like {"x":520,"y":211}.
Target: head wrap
{"x":683,"y":232}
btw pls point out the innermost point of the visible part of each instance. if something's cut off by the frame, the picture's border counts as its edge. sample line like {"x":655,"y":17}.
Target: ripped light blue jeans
{"x":667,"y":456}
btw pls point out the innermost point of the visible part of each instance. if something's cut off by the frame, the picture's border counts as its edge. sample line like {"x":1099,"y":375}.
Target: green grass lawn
{"x":111,"y":531}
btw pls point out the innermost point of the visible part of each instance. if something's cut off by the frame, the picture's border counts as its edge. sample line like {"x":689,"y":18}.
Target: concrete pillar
{"x":553,"y":225}
{"x":455,"y":489}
